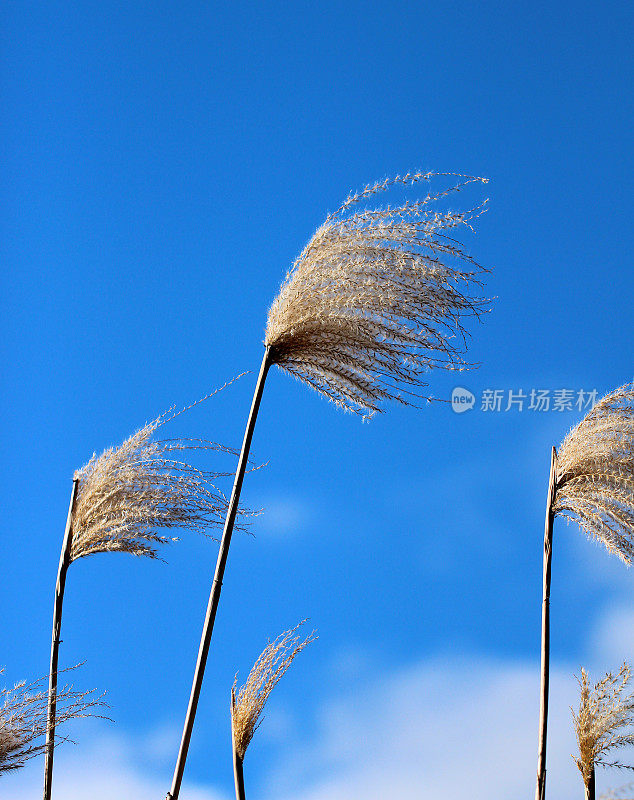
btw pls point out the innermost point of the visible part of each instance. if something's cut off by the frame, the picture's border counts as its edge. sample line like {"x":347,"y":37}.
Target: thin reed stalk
{"x":238,"y":760}
{"x":592,"y":482}
{"x":375,"y":300}
{"x":545,"y":649}
{"x":216,"y":586}
{"x":60,"y":585}
{"x":119,"y":502}
{"x":590,"y":787}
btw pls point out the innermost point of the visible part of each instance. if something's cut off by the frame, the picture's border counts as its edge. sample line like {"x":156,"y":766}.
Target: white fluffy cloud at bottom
{"x":454,"y":728}
{"x":101,"y":770}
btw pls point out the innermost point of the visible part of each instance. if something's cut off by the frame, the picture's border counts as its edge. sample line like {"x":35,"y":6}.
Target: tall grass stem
{"x":590,"y":787}
{"x":64,"y":561}
{"x":238,"y":771}
{"x":216,"y":587}
{"x":540,"y":789}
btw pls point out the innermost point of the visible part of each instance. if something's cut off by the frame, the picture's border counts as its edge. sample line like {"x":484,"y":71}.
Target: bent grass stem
{"x":540,"y":789}
{"x":216,"y":586}
{"x":64,"y":561}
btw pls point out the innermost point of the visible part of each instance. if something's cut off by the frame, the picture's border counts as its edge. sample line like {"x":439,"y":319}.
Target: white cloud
{"x":451,"y":727}
{"x":101,"y":771}
{"x":161,"y":743}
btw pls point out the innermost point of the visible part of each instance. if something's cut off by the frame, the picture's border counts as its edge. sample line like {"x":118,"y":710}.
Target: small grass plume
{"x":129,"y":493}
{"x":377,"y":298}
{"x":602,"y":721}
{"x":595,"y":473}
{"x":23,"y":712}
{"x":248,"y":702}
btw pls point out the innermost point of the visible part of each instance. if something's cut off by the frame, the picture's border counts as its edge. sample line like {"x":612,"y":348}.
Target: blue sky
{"x":163,"y":165}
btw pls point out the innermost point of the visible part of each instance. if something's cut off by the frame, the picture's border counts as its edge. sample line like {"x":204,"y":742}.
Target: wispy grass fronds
{"x":248,"y":703}
{"x":129,"y":493}
{"x":378,"y":297}
{"x":595,"y":473}
{"x":605,"y":713}
{"x":23,"y":711}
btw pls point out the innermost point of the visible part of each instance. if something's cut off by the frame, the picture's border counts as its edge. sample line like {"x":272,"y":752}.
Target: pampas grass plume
{"x":120,"y":501}
{"x":249,"y":701}
{"x":595,"y":473}
{"x":605,"y":713}
{"x":377,"y":298}
{"x":130,"y":492}
{"x":23,"y":710}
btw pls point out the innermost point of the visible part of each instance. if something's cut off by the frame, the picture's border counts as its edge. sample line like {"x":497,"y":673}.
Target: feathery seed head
{"x":604,"y":713}
{"x":23,"y":711}
{"x":595,"y":473}
{"x":129,"y":492}
{"x":248,"y":703}
{"x":377,"y":298}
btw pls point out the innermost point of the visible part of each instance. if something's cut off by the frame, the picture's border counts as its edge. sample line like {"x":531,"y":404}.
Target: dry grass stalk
{"x":250,"y":699}
{"x":216,"y":585}
{"x":372,"y":302}
{"x":377,"y":298}
{"x":540,"y":788}
{"x":605,"y":713}
{"x":595,"y":473}
{"x":23,"y":712}
{"x":592,"y":482}
{"x":120,"y":501}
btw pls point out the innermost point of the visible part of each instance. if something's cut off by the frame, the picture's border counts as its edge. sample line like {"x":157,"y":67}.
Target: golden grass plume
{"x":605,"y":713}
{"x":23,"y":711}
{"x":377,"y":297}
{"x":595,"y":473}
{"x":129,"y":493}
{"x":248,"y":702}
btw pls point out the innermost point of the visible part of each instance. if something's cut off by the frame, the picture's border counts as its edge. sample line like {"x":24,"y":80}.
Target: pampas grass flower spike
{"x":121,"y":501}
{"x":247,"y":704}
{"x":376,"y":299}
{"x":23,"y":718}
{"x":592,"y":483}
{"x":601,"y":724}
{"x":595,"y":474}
